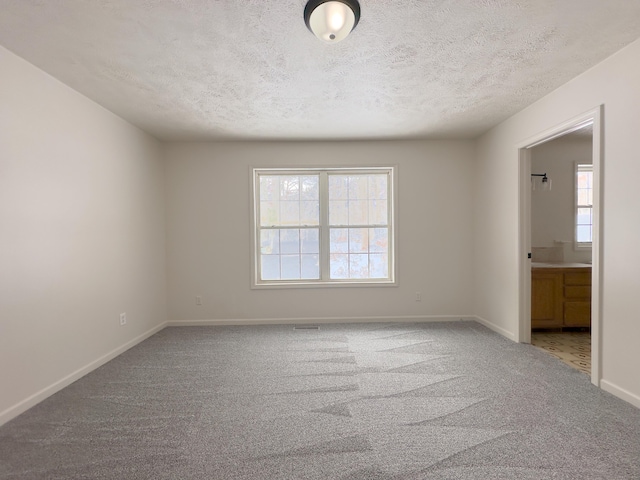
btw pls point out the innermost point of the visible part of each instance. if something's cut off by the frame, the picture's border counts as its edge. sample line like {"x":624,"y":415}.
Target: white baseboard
{"x":12,"y":412}
{"x":496,"y":328}
{"x":619,"y":392}
{"x":319,"y":320}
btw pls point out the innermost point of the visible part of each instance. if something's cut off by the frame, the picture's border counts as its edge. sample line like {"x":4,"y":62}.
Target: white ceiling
{"x":249,"y":69}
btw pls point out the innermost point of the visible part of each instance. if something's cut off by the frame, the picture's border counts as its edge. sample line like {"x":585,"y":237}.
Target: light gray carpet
{"x":350,"y":402}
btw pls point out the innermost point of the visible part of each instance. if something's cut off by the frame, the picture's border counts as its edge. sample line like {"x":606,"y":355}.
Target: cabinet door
{"x":546,"y":300}
{"x":577,"y":313}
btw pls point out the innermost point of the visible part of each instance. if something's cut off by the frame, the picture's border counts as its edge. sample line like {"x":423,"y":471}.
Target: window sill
{"x":334,"y":284}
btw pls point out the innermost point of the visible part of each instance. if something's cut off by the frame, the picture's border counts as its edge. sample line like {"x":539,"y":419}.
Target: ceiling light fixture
{"x":332,"y":21}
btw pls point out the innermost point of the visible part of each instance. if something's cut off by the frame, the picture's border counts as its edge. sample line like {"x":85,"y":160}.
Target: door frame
{"x":594,"y":117}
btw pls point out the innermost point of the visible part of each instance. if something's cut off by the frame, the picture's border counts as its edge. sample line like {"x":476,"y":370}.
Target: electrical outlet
{"x":418,"y":296}
{"x":198,"y":300}
{"x":123,"y":319}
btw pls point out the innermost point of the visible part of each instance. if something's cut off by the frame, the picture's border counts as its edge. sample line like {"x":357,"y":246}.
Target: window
{"x":323,"y":226}
{"x":584,"y":205}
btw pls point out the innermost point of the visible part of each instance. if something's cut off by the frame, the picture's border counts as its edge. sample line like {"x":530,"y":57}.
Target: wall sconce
{"x":331,"y":21}
{"x":545,"y":181}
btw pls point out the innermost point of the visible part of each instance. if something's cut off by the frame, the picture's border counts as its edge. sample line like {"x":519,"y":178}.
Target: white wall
{"x":81,"y":235}
{"x":553,"y":211}
{"x":208,"y":231}
{"x":614,"y":84}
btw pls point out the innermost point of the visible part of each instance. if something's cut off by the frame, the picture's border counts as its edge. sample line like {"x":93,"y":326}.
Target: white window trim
{"x":576,"y":244}
{"x":256,"y":283}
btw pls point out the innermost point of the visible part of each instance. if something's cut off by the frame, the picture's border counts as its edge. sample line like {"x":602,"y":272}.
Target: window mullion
{"x":324,"y":226}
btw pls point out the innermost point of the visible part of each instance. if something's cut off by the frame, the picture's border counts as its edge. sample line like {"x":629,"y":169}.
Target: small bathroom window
{"x":584,"y":205}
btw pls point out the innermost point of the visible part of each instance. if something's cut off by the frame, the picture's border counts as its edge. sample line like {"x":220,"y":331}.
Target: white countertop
{"x":560,"y":265}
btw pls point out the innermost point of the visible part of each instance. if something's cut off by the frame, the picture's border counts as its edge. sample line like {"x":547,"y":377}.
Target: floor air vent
{"x":306,"y":327}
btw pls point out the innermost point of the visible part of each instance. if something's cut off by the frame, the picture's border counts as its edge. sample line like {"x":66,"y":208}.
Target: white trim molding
{"x":319,"y":224}
{"x":619,"y":392}
{"x":492,"y":326}
{"x":594,"y":117}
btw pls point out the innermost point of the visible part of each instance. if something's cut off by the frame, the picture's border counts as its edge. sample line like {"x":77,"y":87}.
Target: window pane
{"x":359,"y":265}
{"x":289,"y":200}
{"x":583,"y":180}
{"x":270,"y":267}
{"x":339,"y":266}
{"x":339,"y":240}
{"x":338,"y":212}
{"x":585,"y":197}
{"x":289,"y":213}
{"x":289,"y":241}
{"x":378,"y":266}
{"x":585,"y":176}
{"x":358,"y":240}
{"x":270,"y":242}
{"x":377,"y":212}
{"x":310,"y":212}
{"x":269,"y":187}
{"x":338,"y":187}
{"x":584,"y":216}
{"x":378,"y":186}
{"x":310,"y":240}
{"x":310,"y":267}
{"x":269,"y":213}
{"x":290,"y":267}
{"x":290,"y":187}
{"x":358,"y":187}
{"x":358,"y":212}
{"x":584,"y":233}
{"x":379,"y":240}
{"x":310,"y":187}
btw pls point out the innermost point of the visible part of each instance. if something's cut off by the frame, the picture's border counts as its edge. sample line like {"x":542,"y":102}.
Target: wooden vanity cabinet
{"x":577,"y":299}
{"x":560,"y":297}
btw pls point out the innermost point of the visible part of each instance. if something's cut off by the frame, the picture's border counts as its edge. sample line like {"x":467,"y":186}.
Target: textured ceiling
{"x":226,"y":69}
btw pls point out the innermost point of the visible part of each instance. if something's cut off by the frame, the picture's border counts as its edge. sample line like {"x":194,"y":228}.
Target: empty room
{"x":319,"y":239}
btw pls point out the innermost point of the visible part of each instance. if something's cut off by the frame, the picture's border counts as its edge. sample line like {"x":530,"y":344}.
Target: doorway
{"x":566,"y":288}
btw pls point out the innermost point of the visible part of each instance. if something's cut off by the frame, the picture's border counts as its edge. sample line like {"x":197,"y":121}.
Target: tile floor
{"x":572,"y":347}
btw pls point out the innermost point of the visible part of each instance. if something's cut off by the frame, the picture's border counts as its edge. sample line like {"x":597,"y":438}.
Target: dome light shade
{"x":331,"y":21}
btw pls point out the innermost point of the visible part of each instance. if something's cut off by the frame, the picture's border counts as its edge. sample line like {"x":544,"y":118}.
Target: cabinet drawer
{"x":577,"y":278}
{"x":577,"y":314}
{"x":577,"y":292}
